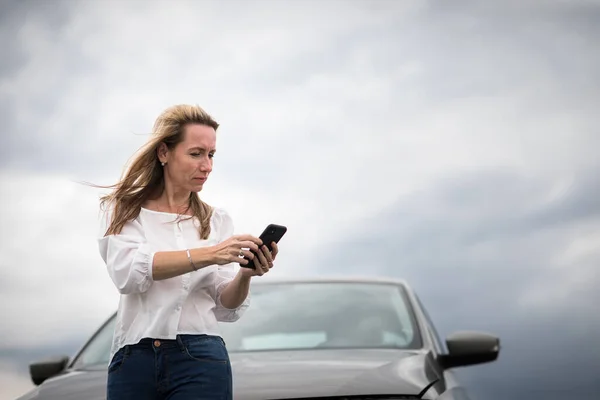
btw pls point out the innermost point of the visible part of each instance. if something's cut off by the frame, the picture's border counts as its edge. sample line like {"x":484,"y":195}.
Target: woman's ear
{"x":162,"y":152}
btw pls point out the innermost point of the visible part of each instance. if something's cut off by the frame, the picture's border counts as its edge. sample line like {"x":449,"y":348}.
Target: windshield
{"x":324,"y":316}
{"x":295,"y":316}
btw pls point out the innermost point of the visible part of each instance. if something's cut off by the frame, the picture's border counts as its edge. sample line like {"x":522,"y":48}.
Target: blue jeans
{"x":190,"y":367}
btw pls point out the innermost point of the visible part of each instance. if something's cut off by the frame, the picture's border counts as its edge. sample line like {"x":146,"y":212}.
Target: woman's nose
{"x":206,"y":165}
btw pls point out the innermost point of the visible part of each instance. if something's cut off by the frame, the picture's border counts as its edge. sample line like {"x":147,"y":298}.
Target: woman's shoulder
{"x":221,"y":215}
{"x":108,"y":216}
{"x":222,"y":221}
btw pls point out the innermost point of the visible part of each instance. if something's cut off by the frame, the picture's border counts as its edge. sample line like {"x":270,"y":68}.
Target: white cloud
{"x":51,"y":267}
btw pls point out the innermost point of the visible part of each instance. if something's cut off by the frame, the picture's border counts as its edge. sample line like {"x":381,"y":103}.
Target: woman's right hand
{"x":232,"y":249}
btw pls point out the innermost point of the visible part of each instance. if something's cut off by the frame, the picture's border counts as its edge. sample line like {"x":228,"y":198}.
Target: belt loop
{"x":180,"y":343}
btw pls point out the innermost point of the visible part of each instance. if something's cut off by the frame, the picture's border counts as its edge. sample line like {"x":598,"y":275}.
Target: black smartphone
{"x":272,"y":233}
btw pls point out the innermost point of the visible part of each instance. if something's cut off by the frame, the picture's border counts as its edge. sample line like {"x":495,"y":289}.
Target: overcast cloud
{"x":453,"y":144}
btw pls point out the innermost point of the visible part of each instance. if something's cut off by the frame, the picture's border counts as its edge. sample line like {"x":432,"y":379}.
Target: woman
{"x":173,"y":259}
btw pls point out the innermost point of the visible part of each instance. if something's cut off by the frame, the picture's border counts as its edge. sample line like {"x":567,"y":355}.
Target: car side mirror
{"x":42,"y":370}
{"x":470,"y":348}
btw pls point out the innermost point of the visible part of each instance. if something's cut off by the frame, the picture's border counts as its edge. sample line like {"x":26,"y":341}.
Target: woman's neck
{"x":170,"y":202}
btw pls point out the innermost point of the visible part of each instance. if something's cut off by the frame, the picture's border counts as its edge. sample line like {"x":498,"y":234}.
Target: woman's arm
{"x":168,"y":264}
{"x":236,"y":291}
{"x":233,"y":299}
{"x":133,"y":266}
{"x":127,"y":256}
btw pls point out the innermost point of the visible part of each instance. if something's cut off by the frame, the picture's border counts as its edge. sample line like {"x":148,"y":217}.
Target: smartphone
{"x":272,"y":233}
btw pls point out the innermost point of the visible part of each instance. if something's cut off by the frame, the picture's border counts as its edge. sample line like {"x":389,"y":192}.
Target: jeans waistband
{"x":181,"y":341}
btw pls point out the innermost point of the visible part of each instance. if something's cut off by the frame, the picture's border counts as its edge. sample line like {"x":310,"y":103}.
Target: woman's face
{"x":188,"y":165}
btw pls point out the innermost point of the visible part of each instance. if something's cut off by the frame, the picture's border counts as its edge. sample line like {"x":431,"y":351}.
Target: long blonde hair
{"x":145,"y":177}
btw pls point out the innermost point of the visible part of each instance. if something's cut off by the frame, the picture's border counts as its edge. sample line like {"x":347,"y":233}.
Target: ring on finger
{"x":241,"y":253}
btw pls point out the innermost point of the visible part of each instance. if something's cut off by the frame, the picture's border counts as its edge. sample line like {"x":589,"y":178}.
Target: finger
{"x":262,"y":259}
{"x":275,"y":250}
{"x":260,"y":262}
{"x":249,"y":245}
{"x":265,"y":269}
{"x":249,"y":238}
{"x":258,"y":271}
{"x":241,"y":256}
{"x":267,"y":253}
{"x":247,"y":253}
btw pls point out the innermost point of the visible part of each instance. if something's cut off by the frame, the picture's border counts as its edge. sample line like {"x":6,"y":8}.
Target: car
{"x":334,"y":338}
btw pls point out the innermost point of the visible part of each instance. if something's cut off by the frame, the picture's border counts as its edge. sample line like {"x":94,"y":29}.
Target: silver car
{"x":310,"y":339}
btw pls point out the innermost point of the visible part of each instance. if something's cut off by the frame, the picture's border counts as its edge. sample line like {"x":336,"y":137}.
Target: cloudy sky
{"x":453,"y":144}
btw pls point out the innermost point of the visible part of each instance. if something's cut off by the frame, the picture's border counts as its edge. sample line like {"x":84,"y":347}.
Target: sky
{"x":451,"y":144}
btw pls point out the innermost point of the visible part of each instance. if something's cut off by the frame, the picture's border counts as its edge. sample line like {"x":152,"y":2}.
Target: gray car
{"x":310,"y":339}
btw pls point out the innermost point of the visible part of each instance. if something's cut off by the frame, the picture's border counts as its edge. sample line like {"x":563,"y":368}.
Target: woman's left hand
{"x":263,"y":261}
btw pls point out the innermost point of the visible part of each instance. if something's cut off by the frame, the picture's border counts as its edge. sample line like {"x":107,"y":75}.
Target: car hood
{"x":73,"y":385}
{"x":326,"y":373}
{"x":286,"y":375}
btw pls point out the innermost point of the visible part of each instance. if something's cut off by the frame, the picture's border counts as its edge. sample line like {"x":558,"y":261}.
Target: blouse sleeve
{"x":225,"y":273}
{"x":127,"y":256}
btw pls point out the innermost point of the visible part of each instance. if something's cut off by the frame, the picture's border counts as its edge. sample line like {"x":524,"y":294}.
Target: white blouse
{"x":185,"y":304}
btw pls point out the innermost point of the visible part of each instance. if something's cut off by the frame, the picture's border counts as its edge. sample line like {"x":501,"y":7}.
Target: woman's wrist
{"x":203,"y":256}
{"x":244,"y":278}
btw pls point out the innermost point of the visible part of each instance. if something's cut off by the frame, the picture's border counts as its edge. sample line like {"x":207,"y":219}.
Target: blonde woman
{"x":174,"y":260}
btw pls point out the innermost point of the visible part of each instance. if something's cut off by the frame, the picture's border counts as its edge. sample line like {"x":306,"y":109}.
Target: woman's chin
{"x":197,"y":187}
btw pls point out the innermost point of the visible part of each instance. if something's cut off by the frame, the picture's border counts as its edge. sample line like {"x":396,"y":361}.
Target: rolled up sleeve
{"x":224,"y":274}
{"x":128,"y":258}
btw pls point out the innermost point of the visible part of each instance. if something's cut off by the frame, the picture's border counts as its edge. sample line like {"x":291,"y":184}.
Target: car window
{"x":97,"y":351}
{"x":324,"y":315}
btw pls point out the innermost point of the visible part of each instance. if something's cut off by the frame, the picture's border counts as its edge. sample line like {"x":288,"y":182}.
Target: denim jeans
{"x":190,"y":367}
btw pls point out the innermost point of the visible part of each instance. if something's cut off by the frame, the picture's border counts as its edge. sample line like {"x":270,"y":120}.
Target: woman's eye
{"x":195,"y":154}
{"x":211,"y":155}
